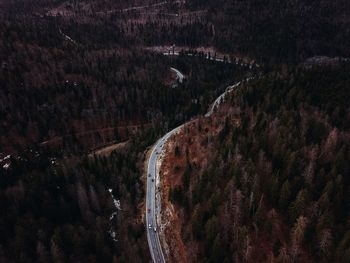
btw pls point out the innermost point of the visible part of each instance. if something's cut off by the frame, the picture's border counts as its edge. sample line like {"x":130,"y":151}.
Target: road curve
{"x":151,"y":202}
{"x":153,"y":180}
{"x":215,"y":58}
{"x":179,"y":76}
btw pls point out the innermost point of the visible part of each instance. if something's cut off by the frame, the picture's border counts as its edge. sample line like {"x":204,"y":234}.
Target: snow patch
{"x":116,"y":203}
{"x":113,"y":235}
{"x":112,"y":216}
{"x":5,"y":158}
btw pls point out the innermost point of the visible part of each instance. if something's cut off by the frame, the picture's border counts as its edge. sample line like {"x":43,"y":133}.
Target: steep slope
{"x":76,"y":210}
{"x":267,"y":177}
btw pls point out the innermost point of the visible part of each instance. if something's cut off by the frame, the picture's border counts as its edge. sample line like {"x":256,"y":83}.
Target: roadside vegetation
{"x":76,"y":76}
{"x":276,"y":184}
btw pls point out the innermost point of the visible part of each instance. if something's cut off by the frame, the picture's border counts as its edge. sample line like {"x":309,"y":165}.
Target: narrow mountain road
{"x":138,"y":8}
{"x":222,"y":59}
{"x":152,"y":206}
{"x":219,"y":99}
{"x":179,"y":76}
{"x":153,"y":183}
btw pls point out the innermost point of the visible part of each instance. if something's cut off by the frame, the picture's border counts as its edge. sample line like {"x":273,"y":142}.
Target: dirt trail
{"x":106,"y":151}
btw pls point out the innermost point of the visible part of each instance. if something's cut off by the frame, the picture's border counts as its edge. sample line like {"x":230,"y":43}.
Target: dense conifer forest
{"x":77,"y":77}
{"x":64,"y":211}
{"x":276,"y":186}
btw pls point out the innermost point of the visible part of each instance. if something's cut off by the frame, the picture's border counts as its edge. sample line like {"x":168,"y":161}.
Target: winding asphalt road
{"x":152,"y":206}
{"x":153,"y":182}
{"x":217,"y":59}
{"x":179,"y":76}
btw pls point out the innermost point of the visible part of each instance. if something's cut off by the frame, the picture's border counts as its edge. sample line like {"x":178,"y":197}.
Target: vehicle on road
{"x":155,"y":229}
{"x":149,"y":226}
{"x":149,"y":210}
{"x":152,"y":180}
{"x":149,"y":175}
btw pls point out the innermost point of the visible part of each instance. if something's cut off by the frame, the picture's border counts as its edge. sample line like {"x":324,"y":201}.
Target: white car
{"x":149,"y":226}
{"x":155,"y":229}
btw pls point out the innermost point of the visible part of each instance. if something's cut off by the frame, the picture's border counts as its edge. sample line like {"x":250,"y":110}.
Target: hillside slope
{"x":267,"y":177}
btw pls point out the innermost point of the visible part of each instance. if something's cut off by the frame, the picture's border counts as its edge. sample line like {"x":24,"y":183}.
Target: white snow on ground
{"x":53,"y":161}
{"x":5,"y":158}
{"x":116,"y":203}
{"x":113,"y":235}
{"x":5,"y":162}
{"x":112,"y":216}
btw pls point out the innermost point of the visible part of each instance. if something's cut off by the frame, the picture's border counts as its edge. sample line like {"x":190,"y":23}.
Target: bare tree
{"x":330,"y":145}
{"x":325,"y":241}
{"x":298,"y":236}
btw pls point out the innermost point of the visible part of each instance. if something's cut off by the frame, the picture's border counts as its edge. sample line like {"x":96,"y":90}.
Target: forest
{"x":269,"y":179}
{"x":276,"y":186}
{"x":272,"y":32}
{"x":64,"y":211}
{"x":61,"y":98}
{"x":80,"y":91}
